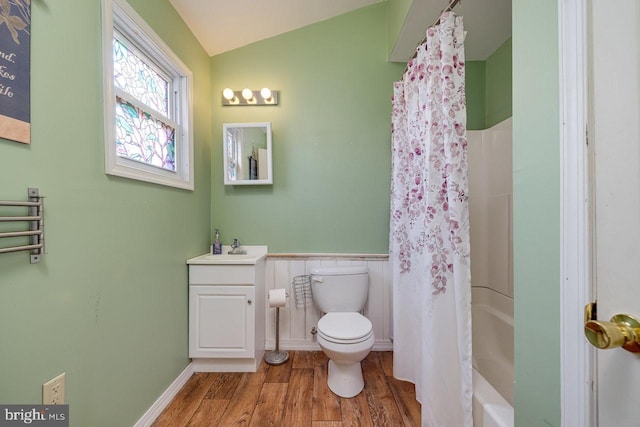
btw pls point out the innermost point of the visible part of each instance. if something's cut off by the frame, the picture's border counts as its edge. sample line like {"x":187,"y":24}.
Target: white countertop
{"x":253,"y":256}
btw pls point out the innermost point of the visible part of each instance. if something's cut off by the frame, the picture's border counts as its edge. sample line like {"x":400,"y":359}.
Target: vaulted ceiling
{"x":223,"y":25}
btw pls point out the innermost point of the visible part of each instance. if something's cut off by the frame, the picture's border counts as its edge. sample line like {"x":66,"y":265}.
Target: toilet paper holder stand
{"x":277,"y":357}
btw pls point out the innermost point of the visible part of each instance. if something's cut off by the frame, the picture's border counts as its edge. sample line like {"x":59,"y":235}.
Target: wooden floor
{"x":294,"y":394}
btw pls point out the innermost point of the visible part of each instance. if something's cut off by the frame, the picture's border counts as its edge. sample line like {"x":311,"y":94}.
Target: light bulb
{"x":265,"y":92}
{"x":228,"y":94}
{"x":247,"y":94}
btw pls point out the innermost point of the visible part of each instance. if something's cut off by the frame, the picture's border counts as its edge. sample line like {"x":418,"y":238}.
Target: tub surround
{"x":490,"y":213}
{"x":490,"y":409}
{"x":492,"y":318}
{"x":490,"y":207}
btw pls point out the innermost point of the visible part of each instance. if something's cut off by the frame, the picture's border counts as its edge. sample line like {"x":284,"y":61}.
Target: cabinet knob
{"x":249,"y":301}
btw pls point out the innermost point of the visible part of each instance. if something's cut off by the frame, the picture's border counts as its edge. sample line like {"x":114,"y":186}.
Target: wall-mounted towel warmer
{"x":34,"y":219}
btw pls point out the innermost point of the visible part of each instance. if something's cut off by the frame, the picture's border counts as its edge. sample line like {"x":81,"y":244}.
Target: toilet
{"x":344,"y":334}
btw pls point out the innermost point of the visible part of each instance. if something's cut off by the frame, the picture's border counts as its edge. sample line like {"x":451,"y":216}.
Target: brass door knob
{"x":622,"y":331}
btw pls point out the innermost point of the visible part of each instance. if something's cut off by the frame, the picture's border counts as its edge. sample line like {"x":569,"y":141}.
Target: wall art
{"x":15,"y":70}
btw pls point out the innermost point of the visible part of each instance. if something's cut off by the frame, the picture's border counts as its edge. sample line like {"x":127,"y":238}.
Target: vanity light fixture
{"x":229,"y":96}
{"x":246,"y":97}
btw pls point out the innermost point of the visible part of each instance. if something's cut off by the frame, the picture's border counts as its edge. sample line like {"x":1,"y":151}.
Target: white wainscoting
{"x":296,"y":323}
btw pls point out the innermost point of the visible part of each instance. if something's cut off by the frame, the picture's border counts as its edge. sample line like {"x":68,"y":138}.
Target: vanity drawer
{"x":222,"y":274}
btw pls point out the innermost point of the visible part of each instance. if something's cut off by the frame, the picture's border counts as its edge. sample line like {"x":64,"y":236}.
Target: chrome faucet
{"x":235,"y":248}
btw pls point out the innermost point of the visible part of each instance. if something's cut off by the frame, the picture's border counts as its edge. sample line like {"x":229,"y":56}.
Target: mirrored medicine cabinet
{"x":247,"y":153}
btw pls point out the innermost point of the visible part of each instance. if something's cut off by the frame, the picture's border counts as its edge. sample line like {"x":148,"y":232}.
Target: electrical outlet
{"x":53,"y":391}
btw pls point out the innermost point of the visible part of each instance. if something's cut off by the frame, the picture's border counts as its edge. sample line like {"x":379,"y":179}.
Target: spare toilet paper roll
{"x":277,"y":298}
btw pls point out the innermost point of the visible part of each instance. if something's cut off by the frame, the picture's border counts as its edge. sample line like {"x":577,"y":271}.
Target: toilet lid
{"x":344,"y":326}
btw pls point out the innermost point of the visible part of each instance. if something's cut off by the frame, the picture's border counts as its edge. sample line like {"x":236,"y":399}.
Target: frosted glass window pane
{"x":143,"y":138}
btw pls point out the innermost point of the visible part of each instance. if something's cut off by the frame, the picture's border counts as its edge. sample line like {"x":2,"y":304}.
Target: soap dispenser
{"x":216,"y":248}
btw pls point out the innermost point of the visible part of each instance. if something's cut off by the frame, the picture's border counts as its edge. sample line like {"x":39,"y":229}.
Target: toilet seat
{"x":345,"y":327}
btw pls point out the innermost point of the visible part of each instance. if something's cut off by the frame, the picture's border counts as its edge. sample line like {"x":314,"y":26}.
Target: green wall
{"x":475,"y":82}
{"x":108,"y":303}
{"x":499,"y":85}
{"x":536,"y":213}
{"x":489,"y":89}
{"x":331,"y":137}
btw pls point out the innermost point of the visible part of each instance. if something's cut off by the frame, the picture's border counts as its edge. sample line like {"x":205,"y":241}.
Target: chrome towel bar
{"x":20,"y":218}
{"x":35,"y":220}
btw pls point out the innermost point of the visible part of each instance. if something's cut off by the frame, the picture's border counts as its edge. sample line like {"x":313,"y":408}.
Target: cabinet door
{"x":221,"y":321}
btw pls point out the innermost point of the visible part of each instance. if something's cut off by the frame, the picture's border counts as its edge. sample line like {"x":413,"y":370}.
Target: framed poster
{"x":15,"y":70}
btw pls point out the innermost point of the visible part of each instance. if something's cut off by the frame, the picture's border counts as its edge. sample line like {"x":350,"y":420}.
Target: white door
{"x":614,"y":40}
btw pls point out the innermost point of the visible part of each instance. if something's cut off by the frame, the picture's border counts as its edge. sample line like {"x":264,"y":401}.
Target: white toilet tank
{"x":341,"y":289}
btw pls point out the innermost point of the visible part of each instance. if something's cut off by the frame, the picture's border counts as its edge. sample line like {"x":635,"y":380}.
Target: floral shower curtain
{"x":429,"y":235}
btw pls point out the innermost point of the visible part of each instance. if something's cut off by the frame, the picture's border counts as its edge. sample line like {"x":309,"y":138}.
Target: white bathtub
{"x":492,"y":317}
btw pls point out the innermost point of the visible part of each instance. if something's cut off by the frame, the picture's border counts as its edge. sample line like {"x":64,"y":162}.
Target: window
{"x":148,"y":104}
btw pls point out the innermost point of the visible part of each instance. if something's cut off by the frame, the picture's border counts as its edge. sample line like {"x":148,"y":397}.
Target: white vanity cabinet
{"x":222,"y":321}
{"x":226,"y":302}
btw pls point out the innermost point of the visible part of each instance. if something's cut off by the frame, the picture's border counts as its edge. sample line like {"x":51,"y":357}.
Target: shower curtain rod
{"x":451,"y":5}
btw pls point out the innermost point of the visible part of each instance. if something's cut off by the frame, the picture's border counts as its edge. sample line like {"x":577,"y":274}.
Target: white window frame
{"x":119,"y":15}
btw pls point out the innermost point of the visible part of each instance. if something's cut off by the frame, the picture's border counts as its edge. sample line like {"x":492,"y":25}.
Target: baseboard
{"x":383,"y":345}
{"x":165,"y":398}
{"x":306,"y":345}
{"x":299,"y":345}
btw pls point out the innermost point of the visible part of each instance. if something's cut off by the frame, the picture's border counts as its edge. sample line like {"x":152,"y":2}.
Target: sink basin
{"x":254,"y":255}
